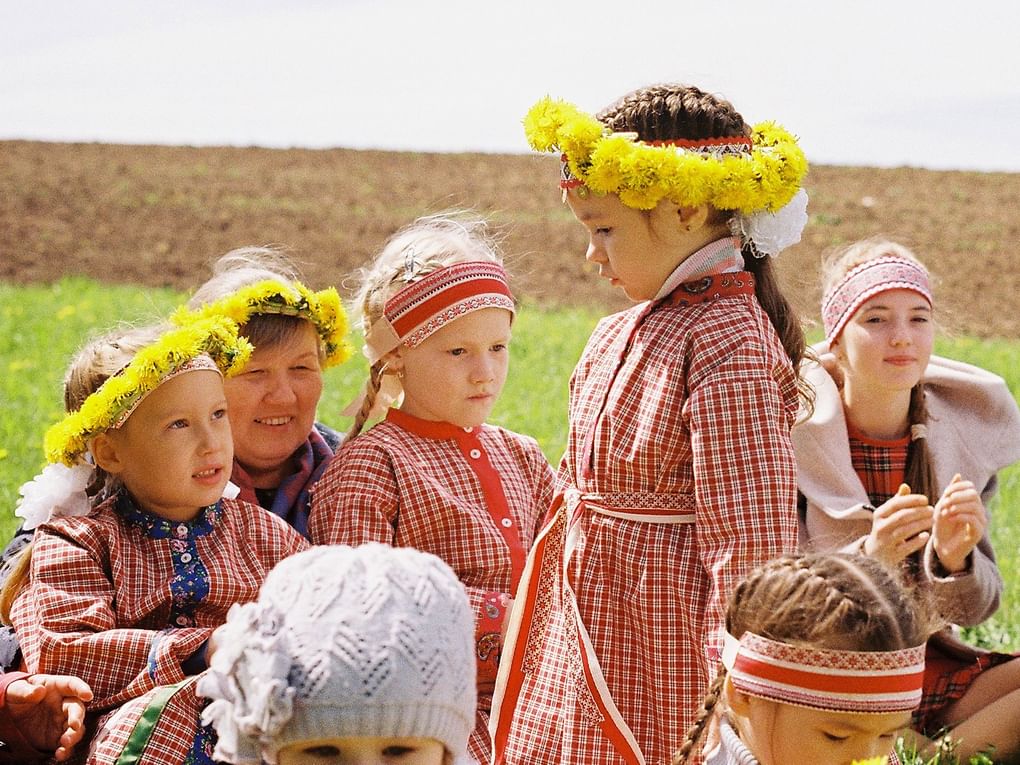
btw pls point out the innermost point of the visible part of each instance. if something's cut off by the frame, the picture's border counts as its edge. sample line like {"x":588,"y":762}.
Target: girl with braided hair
{"x":823,"y":663}
{"x":899,"y":460}
{"x":437,"y":313}
{"x":679,"y":474}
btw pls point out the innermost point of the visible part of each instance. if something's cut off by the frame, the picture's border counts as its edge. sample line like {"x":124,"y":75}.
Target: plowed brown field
{"x":157,"y":215}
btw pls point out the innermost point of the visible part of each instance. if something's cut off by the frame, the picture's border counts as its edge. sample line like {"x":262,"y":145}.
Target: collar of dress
{"x":158,"y":527}
{"x":434,"y":429}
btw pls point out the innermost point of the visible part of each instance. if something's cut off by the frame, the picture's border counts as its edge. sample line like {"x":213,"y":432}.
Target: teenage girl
{"x":899,"y":460}
{"x":679,"y":473}
{"x":127,"y":594}
{"x":437,"y":313}
{"x":824,"y":664}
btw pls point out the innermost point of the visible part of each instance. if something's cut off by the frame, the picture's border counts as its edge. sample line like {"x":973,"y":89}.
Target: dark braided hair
{"x":831,"y":601}
{"x":672,"y":111}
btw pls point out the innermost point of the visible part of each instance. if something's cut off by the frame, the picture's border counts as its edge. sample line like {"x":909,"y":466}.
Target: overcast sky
{"x":875,"y":82}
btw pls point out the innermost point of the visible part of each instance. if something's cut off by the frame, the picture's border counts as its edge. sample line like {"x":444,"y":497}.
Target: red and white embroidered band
{"x":863,"y":282}
{"x":200,"y":362}
{"x":838,"y":681}
{"x":425,"y":306}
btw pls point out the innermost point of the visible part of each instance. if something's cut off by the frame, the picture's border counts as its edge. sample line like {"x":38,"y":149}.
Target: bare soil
{"x":158,"y":215}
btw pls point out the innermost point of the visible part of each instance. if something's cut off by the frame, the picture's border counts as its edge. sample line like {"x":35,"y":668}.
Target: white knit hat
{"x":345,"y":641}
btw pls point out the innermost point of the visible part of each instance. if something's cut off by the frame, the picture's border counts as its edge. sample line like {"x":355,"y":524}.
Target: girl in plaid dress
{"x":824,"y":663}
{"x":679,"y":474}
{"x":437,"y":313}
{"x":125,"y":594}
{"x":899,"y":460}
{"x":280,"y":451}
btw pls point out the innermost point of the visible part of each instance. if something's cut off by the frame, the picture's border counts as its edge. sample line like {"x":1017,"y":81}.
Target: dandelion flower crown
{"x":762,"y":172}
{"x":323,"y":309}
{"x":214,"y":338}
{"x":758,"y":177}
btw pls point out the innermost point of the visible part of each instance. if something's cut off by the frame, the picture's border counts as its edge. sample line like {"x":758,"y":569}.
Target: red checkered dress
{"x":122,"y":598}
{"x":679,"y":477}
{"x":474,"y":498}
{"x":948,"y":674}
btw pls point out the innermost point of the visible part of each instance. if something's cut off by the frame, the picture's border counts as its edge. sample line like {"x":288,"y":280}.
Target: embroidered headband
{"x":211,"y":343}
{"x":425,"y":306}
{"x":863,"y":282}
{"x":323,"y":309}
{"x":873,"y":682}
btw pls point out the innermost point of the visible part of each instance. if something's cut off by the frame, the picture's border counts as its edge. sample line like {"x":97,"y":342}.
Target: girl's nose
{"x":901,"y":333}
{"x":482,"y":371}
{"x":212,"y":437}
{"x":593,"y":254}
{"x":877,"y":748}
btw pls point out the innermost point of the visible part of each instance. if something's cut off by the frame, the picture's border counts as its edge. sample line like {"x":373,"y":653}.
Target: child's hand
{"x":899,"y":527}
{"x":49,"y":710}
{"x":959,"y":524}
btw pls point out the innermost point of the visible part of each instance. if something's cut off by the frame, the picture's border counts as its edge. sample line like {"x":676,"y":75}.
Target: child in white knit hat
{"x":351,"y":655}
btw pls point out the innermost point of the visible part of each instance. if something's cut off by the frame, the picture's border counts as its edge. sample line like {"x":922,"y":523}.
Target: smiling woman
{"x":279,"y":449}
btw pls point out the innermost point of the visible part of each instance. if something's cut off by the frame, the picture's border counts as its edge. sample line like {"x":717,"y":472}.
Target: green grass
{"x":42,"y":326}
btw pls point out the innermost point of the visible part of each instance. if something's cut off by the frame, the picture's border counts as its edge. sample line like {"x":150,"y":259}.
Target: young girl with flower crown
{"x":679,"y":474}
{"x":126,"y":594}
{"x":899,"y":460}
{"x":823,"y":664}
{"x":437,"y":313}
{"x":280,"y":451}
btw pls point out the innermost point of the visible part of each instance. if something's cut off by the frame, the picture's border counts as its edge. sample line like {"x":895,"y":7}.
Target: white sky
{"x":873,"y":82}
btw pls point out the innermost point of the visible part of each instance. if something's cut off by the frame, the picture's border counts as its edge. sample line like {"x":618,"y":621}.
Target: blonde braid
{"x":15,"y":582}
{"x":697,"y":729}
{"x":375,"y":375}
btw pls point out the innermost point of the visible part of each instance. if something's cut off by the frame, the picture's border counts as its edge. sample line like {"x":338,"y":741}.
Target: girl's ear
{"x":738,"y":702}
{"x":393,"y":362}
{"x":106,"y":454}
{"x":836,"y":349}
{"x":693,"y":218}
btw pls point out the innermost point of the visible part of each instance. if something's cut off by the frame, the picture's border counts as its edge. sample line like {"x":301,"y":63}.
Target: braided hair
{"x":430,"y":243}
{"x":831,"y":601}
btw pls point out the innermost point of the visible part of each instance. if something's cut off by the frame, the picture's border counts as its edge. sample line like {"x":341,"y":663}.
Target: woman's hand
{"x":49,"y":710}
{"x":900,"y":526}
{"x":960,"y":523}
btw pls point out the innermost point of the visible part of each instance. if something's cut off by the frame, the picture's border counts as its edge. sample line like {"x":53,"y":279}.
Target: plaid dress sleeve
{"x":739,"y":418}
{"x":544,"y":483}
{"x":356,"y":499}
{"x":68,"y":624}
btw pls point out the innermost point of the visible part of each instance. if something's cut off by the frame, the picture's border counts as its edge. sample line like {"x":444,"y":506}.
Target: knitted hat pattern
{"x":366,"y":641}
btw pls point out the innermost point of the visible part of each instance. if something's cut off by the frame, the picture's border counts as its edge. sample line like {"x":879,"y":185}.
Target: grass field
{"x":41,"y":326}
